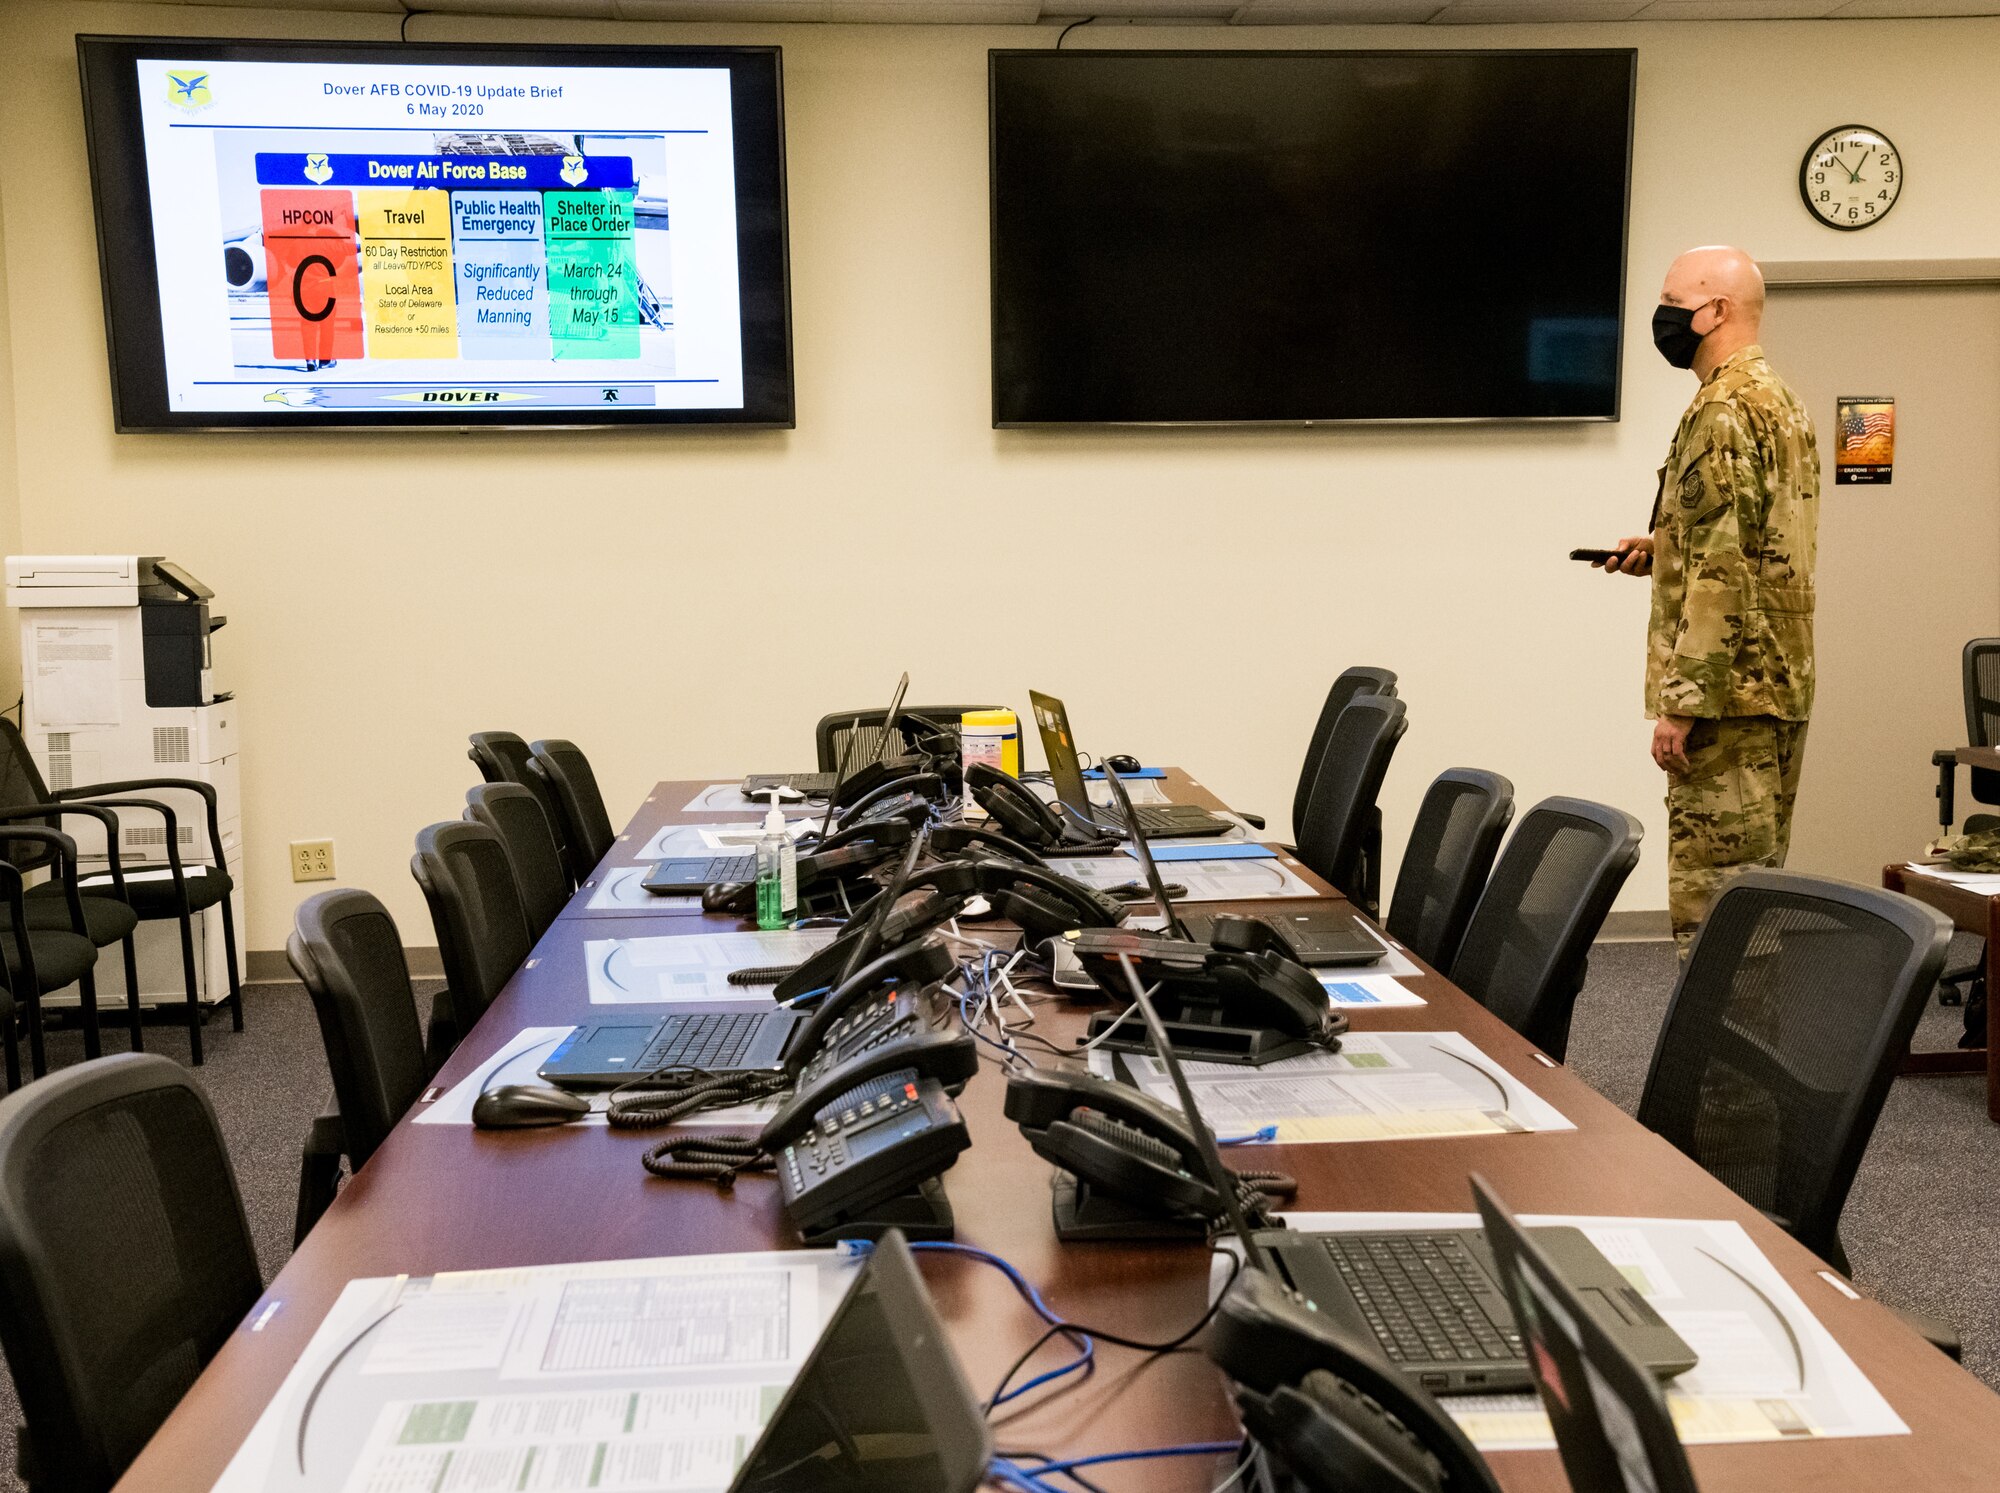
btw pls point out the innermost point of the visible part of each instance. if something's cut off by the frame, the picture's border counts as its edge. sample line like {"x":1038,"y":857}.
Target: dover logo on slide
{"x":318,"y":172}
{"x":188,"y":91}
{"x":573,"y":170}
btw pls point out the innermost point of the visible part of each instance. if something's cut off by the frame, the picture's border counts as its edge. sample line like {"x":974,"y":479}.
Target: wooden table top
{"x":438,"y":1198}
{"x":1987,"y":757}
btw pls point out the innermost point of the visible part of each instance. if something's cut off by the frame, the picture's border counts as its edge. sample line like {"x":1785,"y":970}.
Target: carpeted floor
{"x":1918,"y":1226}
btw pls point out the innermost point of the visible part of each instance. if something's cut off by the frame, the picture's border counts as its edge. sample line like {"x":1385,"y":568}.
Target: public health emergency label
{"x":408,"y":235}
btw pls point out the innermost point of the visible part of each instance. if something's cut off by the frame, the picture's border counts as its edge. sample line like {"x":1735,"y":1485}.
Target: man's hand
{"x":1630,"y":557}
{"x":1670,"y":742}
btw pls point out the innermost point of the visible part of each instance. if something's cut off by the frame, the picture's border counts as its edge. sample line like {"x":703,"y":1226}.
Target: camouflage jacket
{"x":1735,"y":536}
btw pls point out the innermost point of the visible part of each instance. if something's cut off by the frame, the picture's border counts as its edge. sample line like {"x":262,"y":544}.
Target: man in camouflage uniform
{"x":1729,"y":665}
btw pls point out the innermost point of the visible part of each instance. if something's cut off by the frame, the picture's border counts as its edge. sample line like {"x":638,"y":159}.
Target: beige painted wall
{"x":388,"y":594}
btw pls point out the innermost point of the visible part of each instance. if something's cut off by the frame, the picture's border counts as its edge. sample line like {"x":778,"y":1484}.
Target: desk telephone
{"x":1128,"y":1166}
{"x":1240,"y":999}
{"x":1022,"y":815}
{"x":1324,"y":1410}
{"x":870,"y":1115}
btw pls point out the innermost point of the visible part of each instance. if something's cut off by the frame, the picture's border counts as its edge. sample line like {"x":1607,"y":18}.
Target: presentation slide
{"x":418,"y":236}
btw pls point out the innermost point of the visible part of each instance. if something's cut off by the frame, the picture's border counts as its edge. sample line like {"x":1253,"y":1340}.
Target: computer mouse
{"x":1122,"y":762}
{"x":727,"y":896}
{"x":515,"y":1106}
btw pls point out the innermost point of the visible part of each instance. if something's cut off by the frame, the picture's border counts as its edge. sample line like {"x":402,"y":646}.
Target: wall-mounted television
{"x":379,"y":234}
{"x":1297,"y":237}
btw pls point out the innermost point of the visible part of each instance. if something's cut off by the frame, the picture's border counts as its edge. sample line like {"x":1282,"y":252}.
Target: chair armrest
{"x":11,"y":885}
{"x":98,"y":812}
{"x":1941,"y":1335}
{"x":1255,"y":821}
{"x":172,"y":822}
{"x":139,"y":785}
{"x":65,"y":849}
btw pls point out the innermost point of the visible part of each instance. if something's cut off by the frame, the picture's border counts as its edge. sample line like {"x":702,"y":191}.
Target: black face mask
{"x":1674,"y":334}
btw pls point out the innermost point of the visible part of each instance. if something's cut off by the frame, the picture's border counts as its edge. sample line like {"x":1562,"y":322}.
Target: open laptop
{"x":1432,"y":1299}
{"x":1326,"y":936}
{"x":865,"y":744}
{"x":1611,"y":1423}
{"x":880,"y":1405}
{"x":1159,"y":821}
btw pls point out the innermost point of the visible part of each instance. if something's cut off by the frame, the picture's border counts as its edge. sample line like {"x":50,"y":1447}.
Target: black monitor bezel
{"x":135,"y":339}
{"x":1085,"y":56}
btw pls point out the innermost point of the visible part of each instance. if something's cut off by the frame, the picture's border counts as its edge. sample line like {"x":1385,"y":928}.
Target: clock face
{"x":1851,"y":177}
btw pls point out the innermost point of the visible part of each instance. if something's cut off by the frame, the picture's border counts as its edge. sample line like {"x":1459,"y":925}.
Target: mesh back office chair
{"x":1783,"y":1035}
{"x":1459,"y":825}
{"x":1335,"y":828}
{"x":482,"y":932}
{"x":1979,"y":671}
{"x":830,"y":735}
{"x":125,"y":1260}
{"x":185,"y":891}
{"x":581,"y":823}
{"x":1527,"y":948}
{"x":346,"y":952}
{"x":1363,"y":679}
{"x":503,"y":757}
{"x":515,"y":815}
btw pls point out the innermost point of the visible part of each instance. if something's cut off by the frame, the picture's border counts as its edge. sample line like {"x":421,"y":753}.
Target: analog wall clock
{"x":1851,"y":177}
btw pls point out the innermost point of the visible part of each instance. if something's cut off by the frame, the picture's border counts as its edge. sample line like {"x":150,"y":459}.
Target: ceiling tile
{"x":1530,"y":12}
{"x":1738,"y":10}
{"x":1860,"y":9}
{"x":1337,"y":12}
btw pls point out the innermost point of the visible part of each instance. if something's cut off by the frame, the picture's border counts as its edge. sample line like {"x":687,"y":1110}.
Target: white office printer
{"x":116,"y":685}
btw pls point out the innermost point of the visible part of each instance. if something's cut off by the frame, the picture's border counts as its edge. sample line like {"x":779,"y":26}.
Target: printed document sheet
{"x":1769,"y":1370}
{"x":633,"y":1375}
{"x":1379,"y":1086}
{"x":1205,"y":880}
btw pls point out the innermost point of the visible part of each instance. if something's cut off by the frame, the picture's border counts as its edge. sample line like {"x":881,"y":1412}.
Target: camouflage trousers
{"x":1732,"y":810}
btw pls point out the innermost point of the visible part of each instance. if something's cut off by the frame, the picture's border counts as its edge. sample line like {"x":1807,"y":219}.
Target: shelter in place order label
{"x":406,"y":278}
{"x":593,"y":274}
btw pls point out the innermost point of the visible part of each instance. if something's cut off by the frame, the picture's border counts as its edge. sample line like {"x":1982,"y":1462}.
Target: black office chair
{"x":1460,"y":823}
{"x":503,"y":757}
{"x":476,"y":912}
{"x":185,"y":891}
{"x":41,"y":960}
{"x":1363,"y":679}
{"x":1334,"y":832}
{"x":125,"y":1260}
{"x":1796,"y":1003}
{"x":346,"y":952}
{"x":515,"y":815}
{"x":1979,"y":675}
{"x":582,"y":825}
{"x":1527,"y":948}
{"x":830,"y":735}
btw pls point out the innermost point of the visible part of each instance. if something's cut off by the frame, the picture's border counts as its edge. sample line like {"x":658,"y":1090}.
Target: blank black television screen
{"x":1290,"y":237}
{"x":370,"y":234}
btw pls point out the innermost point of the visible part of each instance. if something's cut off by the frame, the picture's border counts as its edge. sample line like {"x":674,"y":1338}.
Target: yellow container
{"x":992,"y":737}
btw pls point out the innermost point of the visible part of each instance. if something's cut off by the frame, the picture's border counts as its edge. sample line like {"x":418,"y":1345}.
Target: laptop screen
{"x":1145,"y":854}
{"x":880,"y":1405}
{"x":1059,"y":747}
{"x":1611,"y":1423}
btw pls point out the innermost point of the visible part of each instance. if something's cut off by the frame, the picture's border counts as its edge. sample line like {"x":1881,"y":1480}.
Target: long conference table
{"x":445,"y":1197}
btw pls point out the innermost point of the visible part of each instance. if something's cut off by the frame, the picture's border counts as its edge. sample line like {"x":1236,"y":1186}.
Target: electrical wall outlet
{"x":312,"y":860}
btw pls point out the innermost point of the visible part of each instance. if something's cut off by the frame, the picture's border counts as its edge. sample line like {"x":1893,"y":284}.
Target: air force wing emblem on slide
{"x":188,"y":89}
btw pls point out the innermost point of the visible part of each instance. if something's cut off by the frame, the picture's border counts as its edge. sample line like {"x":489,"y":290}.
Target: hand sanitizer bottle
{"x":777,"y":872}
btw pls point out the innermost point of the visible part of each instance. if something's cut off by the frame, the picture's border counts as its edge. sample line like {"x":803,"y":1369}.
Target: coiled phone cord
{"x":662,"y":1098}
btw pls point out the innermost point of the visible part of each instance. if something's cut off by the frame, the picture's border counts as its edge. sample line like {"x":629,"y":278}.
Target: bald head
{"x":1725,"y":290}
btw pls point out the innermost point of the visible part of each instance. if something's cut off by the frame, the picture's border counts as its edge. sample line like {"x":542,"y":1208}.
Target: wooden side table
{"x":1975,"y":912}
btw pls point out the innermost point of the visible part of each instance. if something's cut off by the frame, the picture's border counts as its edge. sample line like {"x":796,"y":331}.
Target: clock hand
{"x":1864,"y":161}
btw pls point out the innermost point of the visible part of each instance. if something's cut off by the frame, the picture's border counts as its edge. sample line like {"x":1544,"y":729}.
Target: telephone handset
{"x":869,"y":1158}
{"x":1123,"y":1143}
{"x":1226,"y":1004}
{"x":821,"y":971}
{"x":1020,"y":813}
{"x":894,"y":799}
{"x":1042,"y":902}
{"x":912,"y":965}
{"x":970,"y":839}
{"x":948,"y":1057}
{"x":846,"y":854}
{"x":1327,"y":1407}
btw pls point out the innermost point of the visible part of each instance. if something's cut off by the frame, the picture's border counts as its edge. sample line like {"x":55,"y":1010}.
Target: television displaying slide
{"x":393,"y":236}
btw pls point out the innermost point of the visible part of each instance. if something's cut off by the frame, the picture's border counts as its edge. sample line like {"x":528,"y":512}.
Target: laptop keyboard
{"x":717,"y":1040}
{"x":1426,"y":1298}
{"x":718,"y":869}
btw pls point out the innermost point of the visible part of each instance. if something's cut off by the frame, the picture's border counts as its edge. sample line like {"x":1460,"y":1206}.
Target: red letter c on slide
{"x":298,"y":280}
